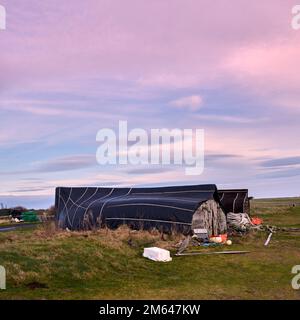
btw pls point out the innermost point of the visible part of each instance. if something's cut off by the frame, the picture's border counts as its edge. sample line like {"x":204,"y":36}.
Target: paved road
{"x":17,"y":226}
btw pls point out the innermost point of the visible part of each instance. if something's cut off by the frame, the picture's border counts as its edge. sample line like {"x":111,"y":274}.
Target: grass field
{"x":45,"y":264}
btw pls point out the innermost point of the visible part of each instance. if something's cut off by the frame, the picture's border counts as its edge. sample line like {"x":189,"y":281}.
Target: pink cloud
{"x":165,"y":43}
{"x":192,"y":103}
{"x":269,"y":70}
{"x":138,"y":48}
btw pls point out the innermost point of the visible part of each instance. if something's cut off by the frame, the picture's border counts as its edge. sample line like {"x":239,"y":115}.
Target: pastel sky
{"x":70,"y":68}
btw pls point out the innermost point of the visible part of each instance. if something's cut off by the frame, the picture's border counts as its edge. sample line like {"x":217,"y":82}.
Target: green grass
{"x":280,"y":212}
{"x":44,"y":264}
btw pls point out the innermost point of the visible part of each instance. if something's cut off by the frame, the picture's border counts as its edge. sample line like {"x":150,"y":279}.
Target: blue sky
{"x":68,"y":70}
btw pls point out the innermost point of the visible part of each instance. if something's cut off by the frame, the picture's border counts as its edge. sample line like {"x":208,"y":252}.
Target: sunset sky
{"x":70,"y":68}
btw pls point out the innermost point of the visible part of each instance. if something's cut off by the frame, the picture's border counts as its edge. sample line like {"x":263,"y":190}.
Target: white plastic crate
{"x":157,"y":254}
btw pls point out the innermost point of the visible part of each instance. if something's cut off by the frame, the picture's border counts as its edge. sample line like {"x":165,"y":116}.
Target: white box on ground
{"x":157,"y":254}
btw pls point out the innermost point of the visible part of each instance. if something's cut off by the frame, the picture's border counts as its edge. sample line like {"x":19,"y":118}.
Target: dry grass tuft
{"x":18,"y":276}
{"x":116,"y":239}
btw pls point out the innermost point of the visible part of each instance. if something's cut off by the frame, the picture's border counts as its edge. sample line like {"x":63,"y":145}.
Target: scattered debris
{"x":268,"y":239}
{"x":257,"y":221}
{"x":184,"y":244}
{"x":239,"y":221}
{"x":271,"y":230}
{"x":222,"y":238}
{"x":275,"y":228}
{"x":210,"y":244}
{"x":194,"y":253}
{"x":215,"y":239}
{"x":238,"y":224}
{"x":157,"y":254}
{"x":200,"y":238}
{"x":201,"y":234}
